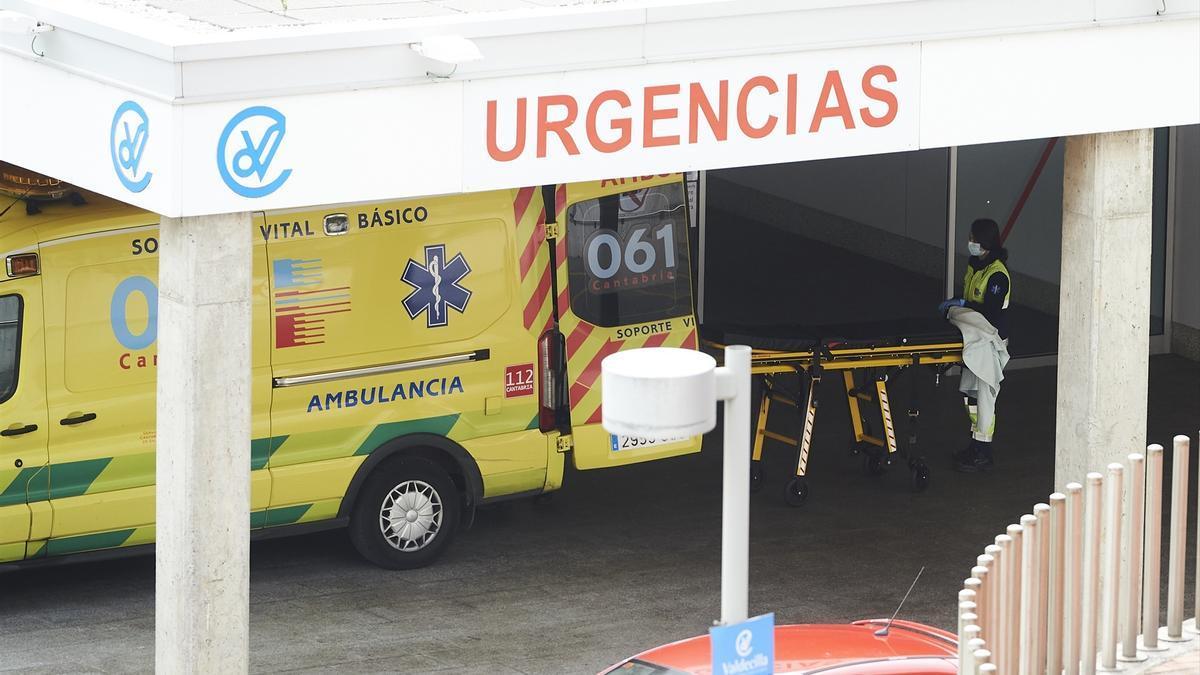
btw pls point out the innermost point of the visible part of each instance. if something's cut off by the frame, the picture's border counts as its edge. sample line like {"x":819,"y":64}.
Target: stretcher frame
{"x":881,"y":362}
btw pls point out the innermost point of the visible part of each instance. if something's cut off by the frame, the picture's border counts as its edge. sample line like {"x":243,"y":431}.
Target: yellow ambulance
{"x":411,"y":359}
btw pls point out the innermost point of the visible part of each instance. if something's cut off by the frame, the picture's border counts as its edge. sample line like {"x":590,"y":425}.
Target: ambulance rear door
{"x":625,"y":277}
{"x":23,"y":454}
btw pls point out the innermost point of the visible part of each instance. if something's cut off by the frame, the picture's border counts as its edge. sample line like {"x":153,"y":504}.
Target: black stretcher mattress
{"x":805,"y":337}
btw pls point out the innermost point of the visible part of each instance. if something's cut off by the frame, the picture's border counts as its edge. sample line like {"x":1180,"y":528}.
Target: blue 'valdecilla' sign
{"x":746,"y":648}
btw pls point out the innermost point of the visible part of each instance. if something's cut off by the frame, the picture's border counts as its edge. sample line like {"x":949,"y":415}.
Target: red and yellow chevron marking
{"x":530,"y":217}
{"x":583,"y":363}
{"x":587,"y":345}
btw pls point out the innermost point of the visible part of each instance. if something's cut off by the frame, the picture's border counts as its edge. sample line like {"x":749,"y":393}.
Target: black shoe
{"x":960,"y":455}
{"x":968,"y":464}
{"x":984,"y":459}
{"x":977,"y":458}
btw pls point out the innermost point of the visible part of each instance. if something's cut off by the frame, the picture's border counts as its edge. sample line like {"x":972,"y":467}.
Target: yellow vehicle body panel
{"x":341,"y":325}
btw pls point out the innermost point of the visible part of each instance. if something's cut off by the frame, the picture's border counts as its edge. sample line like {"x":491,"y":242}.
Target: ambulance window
{"x":10,"y":340}
{"x":628,"y":257}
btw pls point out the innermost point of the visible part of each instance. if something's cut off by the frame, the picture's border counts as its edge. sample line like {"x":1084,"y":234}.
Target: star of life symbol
{"x":995,"y":289}
{"x":436,"y":286}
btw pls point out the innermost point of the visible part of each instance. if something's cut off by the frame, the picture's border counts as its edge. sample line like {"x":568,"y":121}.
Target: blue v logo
{"x":246,"y":151}
{"x":127,"y":142}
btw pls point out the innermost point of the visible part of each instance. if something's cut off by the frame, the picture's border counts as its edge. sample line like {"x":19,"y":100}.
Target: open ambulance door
{"x":623,"y":281}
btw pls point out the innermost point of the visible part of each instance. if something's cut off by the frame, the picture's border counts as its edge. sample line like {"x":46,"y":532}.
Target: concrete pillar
{"x":1104,"y":304}
{"x":202,"y":566}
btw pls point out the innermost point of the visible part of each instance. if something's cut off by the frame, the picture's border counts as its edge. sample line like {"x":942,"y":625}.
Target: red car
{"x":861,"y":647}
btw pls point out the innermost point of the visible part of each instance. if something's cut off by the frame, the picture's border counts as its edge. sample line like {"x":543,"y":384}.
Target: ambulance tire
{"x":434,"y":506}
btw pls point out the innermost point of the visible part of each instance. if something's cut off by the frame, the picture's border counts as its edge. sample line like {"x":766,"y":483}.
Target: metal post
{"x":1002,"y":598}
{"x":1054,"y":583}
{"x":1111,"y":567}
{"x":1133,"y":589}
{"x":1178,"y":541}
{"x":1091,"y":573}
{"x":1072,"y":578}
{"x":735,"y":490}
{"x":1026,"y":646}
{"x":1153,"y":556}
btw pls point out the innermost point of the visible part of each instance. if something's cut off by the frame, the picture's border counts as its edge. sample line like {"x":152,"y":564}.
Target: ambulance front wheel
{"x":796,"y":492}
{"x":406,"y":514}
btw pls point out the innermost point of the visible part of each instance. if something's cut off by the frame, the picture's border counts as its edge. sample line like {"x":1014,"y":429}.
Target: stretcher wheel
{"x":873,"y":464}
{"x":756,"y":477}
{"x":796,"y":492}
{"x":918,"y":477}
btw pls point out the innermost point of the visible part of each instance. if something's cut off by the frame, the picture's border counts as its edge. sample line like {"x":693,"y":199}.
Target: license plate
{"x":619,"y":443}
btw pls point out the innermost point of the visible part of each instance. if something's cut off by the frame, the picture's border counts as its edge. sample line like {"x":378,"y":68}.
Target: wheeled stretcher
{"x":867,"y":356}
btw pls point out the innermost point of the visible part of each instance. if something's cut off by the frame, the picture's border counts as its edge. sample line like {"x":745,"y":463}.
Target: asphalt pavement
{"x":619,"y":561}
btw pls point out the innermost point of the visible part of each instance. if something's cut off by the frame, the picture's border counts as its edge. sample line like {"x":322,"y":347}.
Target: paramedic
{"x":986,"y":289}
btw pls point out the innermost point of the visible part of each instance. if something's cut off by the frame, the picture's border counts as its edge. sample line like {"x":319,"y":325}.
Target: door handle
{"x":78,"y":418}
{"x":17,"y":431}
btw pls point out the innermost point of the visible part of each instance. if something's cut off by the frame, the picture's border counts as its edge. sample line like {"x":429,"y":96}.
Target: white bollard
{"x":1091,"y":573}
{"x":976,"y":584}
{"x":1073,"y":579}
{"x":1012,"y":647}
{"x":1110,"y":576}
{"x":1005,"y":617}
{"x":1042,"y":513}
{"x":980,"y":572}
{"x":1194,"y":628}
{"x":1027,"y":639}
{"x":1153,"y":555}
{"x":980,"y":655}
{"x":966,"y":607}
{"x":1133,"y":591}
{"x":1054,"y":583}
{"x":1178,"y":541}
{"x":992,"y":618}
{"x":967,"y":655}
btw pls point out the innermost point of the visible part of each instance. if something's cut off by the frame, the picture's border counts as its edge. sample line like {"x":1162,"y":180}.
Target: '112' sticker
{"x":518,"y":381}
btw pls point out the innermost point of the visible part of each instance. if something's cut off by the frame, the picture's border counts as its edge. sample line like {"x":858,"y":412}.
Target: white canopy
{"x":188,"y":107}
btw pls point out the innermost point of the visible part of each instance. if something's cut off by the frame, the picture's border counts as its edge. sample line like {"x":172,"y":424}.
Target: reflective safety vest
{"x":975,"y":281}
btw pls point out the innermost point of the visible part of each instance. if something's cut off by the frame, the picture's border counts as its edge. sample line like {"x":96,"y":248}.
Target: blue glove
{"x":944,"y":308}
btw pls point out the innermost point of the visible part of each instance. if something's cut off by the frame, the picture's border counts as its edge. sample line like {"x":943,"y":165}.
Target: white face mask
{"x":974,"y":248}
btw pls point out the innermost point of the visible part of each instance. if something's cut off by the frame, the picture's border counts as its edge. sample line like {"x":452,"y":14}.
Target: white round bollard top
{"x":658,"y":393}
